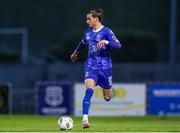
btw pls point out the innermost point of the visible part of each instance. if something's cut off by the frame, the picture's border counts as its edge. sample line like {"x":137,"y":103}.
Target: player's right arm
{"x":80,"y":46}
{"x":74,"y":56}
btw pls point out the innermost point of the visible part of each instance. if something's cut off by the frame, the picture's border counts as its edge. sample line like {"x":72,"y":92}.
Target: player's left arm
{"x":111,"y":40}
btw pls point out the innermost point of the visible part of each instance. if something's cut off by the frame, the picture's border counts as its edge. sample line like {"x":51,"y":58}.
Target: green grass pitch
{"x":35,"y":123}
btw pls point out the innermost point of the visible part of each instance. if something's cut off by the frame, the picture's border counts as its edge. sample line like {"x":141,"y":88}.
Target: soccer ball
{"x":65,"y":123}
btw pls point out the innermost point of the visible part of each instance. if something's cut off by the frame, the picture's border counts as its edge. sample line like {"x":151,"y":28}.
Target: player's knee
{"x":90,"y":83}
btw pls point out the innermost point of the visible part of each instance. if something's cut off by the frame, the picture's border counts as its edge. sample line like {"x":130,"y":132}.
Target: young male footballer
{"x":98,"y":65}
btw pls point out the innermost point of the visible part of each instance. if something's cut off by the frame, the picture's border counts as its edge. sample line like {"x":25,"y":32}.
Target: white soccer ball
{"x":65,"y":123}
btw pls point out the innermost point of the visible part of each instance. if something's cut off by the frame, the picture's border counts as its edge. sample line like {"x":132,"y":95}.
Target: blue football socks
{"x":87,"y":100}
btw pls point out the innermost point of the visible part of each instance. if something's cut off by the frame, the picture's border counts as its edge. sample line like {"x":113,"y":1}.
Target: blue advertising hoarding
{"x":164,"y":99}
{"x":54,"y":98}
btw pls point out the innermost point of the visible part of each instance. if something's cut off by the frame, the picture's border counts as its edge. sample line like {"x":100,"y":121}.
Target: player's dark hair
{"x":97,"y":13}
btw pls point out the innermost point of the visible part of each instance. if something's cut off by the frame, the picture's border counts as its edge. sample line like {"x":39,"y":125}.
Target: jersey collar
{"x":98,"y":29}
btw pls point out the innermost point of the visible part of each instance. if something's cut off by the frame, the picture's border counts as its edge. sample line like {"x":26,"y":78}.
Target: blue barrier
{"x":54,"y":98}
{"x":163,"y":99}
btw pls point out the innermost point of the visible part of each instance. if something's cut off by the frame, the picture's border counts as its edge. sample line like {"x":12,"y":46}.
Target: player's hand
{"x":74,"y":57}
{"x":101,"y":43}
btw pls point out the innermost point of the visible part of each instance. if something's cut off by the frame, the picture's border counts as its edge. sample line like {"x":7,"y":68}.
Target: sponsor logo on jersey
{"x":94,"y":49}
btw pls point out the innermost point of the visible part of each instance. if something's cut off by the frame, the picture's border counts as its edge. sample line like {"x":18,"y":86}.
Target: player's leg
{"x":90,"y":85}
{"x":107,"y":93}
{"x":105,"y":81}
{"x":90,"y":82}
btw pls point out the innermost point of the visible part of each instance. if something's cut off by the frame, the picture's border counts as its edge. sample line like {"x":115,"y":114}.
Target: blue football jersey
{"x":98,"y":58}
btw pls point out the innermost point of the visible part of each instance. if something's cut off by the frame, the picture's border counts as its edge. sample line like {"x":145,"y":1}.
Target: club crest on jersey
{"x":98,"y":37}
{"x":54,"y":95}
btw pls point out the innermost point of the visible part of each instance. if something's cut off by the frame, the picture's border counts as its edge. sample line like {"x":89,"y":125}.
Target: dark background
{"x":55,"y":27}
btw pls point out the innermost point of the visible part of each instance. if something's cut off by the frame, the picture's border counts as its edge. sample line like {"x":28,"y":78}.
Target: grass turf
{"x":34,"y":123}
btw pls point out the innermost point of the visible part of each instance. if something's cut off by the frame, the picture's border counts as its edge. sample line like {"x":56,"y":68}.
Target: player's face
{"x":91,"y":21}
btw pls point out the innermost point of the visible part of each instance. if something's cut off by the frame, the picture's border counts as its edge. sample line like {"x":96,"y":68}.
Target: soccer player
{"x":98,"y":65}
